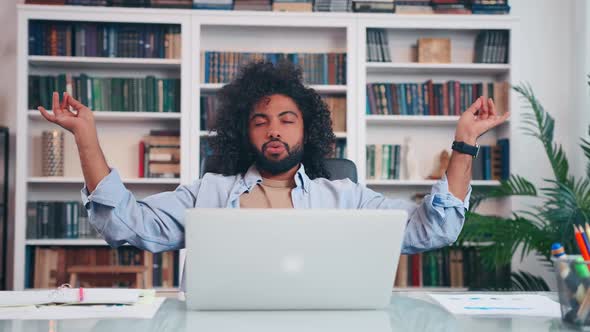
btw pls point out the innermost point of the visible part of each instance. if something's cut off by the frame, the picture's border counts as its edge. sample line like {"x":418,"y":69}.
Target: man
{"x":272,"y":137}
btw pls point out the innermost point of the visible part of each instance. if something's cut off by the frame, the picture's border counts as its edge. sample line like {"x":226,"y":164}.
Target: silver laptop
{"x":292,"y":259}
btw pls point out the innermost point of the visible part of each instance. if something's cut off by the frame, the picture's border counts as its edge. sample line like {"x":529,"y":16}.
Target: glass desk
{"x":408,"y":312}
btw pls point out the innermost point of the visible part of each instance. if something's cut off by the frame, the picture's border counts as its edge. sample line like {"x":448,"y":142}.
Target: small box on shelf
{"x":434,"y":50}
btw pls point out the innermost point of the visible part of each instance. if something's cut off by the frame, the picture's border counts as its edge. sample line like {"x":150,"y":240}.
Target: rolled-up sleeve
{"x":155,"y":223}
{"x":434,"y":223}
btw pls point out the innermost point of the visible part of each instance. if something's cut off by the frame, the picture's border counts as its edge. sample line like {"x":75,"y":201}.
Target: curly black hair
{"x":237,"y":99}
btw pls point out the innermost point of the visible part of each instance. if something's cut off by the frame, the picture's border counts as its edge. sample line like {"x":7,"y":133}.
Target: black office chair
{"x":338,"y":168}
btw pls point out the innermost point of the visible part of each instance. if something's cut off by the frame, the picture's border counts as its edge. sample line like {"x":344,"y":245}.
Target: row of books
{"x":493,"y":161}
{"x":318,"y":68}
{"x":428,"y":98}
{"x":383,"y":161}
{"x":46,"y":267}
{"x":149,"y":94}
{"x":339,"y":149}
{"x":450,"y":267}
{"x":132,"y":40}
{"x":438,"y":6}
{"x":489,"y":7}
{"x":388,"y":6}
{"x":377,"y":46}
{"x":159,"y":154}
{"x":491,"y":46}
{"x":256,"y":5}
{"x":264,"y":5}
{"x":58,"y":220}
{"x":332,"y":6}
{"x":118,"y":3}
{"x":336,"y":105}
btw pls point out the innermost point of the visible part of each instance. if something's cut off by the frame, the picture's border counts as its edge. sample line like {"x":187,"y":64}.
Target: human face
{"x":275,"y":130}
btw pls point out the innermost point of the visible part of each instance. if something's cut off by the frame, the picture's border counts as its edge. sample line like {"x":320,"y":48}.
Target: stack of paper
{"x":71,"y":296}
{"x":499,"y":304}
{"x":64,"y":303}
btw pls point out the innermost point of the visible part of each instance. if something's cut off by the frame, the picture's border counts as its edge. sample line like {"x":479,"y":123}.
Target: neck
{"x":288,"y":175}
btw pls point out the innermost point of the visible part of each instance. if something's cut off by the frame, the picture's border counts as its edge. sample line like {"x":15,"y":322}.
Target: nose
{"x":274,"y":134}
{"x":273,"y":131}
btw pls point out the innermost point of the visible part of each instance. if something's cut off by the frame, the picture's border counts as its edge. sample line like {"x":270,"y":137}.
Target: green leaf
{"x":500,"y":238}
{"x":526,"y":282}
{"x":514,"y":186}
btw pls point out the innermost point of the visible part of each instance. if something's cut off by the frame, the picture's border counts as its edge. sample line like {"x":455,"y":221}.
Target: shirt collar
{"x":253,"y":177}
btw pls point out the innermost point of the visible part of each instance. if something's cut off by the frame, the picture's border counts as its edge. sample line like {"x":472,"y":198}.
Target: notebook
{"x":73,"y":296}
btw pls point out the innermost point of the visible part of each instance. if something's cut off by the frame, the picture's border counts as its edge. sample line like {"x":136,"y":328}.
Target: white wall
{"x":550,"y":45}
{"x":580,"y":119}
{"x":553,"y":60}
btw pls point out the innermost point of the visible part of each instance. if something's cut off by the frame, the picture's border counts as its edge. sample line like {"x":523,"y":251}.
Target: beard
{"x":274,"y":167}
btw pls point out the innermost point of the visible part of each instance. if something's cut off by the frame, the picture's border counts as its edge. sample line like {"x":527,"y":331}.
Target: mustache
{"x":265,"y":145}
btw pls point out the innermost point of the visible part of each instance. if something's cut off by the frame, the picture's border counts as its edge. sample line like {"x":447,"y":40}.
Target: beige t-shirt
{"x":269,"y":194}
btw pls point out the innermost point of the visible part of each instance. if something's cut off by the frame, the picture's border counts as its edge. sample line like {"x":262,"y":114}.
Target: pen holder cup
{"x":573,"y":283}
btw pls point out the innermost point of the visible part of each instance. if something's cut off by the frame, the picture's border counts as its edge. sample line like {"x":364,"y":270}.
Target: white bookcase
{"x":430,"y":134}
{"x":201,"y":31}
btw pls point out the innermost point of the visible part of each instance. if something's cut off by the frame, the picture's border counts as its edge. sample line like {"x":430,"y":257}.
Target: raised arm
{"x":80,"y":123}
{"x":480,"y":117}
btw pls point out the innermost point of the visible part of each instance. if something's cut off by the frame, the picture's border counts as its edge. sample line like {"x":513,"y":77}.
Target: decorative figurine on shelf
{"x":443,"y":159}
{"x":410,"y":164}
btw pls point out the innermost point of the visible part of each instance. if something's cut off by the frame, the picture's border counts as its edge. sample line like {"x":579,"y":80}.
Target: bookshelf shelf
{"x":102,"y":62}
{"x":66,"y":242}
{"x":326,"y":89}
{"x":426,"y":120}
{"x":416,"y":120}
{"x":425,"y":183}
{"x":75,"y":180}
{"x":119,"y":116}
{"x":437,"y":69}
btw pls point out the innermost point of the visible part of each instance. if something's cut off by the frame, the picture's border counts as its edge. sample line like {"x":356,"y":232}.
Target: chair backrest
{"x":338,"y":168}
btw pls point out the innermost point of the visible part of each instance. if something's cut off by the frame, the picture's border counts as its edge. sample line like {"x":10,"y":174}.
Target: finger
{"x":46,"y":115}
{"x":64,"y":102}
{"x":484,"y":114}
{"x":78,"y":106}
{"x":474,"y":107}
{"x":492,"y":107}
{"x":55,"y":104}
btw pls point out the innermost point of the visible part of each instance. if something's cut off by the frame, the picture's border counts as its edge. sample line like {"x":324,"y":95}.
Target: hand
{"x":78,"y":123}
{"x":473,"y":124}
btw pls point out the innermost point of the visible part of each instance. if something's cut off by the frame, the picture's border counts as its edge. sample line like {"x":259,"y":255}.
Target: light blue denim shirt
{"x":156,"y":223}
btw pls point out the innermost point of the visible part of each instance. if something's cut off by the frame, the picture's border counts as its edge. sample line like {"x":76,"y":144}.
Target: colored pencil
{"x":581,"y":244}
{"x":585,"y":237}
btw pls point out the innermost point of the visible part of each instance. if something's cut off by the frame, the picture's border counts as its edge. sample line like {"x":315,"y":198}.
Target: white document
{"x":499,"y":304}
{"x":70,"y":295}
{"x":142,"y":309}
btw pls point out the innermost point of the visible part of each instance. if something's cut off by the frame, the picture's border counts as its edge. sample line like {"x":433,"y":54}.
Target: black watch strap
{"x":465,"y":148}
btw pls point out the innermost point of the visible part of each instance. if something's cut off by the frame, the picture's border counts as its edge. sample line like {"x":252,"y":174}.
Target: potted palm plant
{"x":564,"y":201}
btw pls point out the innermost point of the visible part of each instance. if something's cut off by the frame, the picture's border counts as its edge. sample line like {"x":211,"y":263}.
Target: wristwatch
{"x":463,"y":147}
